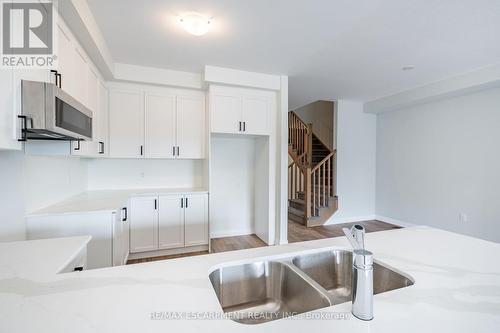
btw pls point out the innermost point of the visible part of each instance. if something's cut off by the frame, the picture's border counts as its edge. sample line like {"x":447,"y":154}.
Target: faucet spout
{"x":362,"y":274}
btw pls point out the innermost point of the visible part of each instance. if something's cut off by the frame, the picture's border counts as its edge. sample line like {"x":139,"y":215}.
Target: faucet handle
{"x":358,"y":232}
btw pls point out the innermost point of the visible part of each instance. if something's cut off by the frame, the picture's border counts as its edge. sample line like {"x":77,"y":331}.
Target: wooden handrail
{"x":323,"y":161}
{"x":316,"y":184}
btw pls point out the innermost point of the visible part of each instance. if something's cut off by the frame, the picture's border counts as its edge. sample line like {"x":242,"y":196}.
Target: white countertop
{"x":457,"y":289}
{"x":106,"y":200}
{"x":38,"y":259}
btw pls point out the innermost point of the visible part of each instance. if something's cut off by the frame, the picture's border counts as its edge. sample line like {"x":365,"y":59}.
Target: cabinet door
{"x":126,"y":124}
{"x":118,"y":240}
{"x":257,"y":115}
{"x":8,"y":117}
{"x":160,"y":126}
{"x":225,"y":113}
{"x":196,"y":220}
{"x":191,"y":127}
{"x":80,"y":76}
{"x":121,"y":245}
{"x":102,"y":125}
{"x":66,"y":60}
{"x":171,"y":222}
{"x":90,"y":148}
{"x":143,"y":224}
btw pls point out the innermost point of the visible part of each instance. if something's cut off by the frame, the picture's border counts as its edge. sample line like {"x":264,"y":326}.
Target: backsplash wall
{"x":106,"y":174}
{"x":29,"y":183}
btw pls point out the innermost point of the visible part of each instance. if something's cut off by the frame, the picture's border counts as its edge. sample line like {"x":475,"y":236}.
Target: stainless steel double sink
{"x":262,"y":291}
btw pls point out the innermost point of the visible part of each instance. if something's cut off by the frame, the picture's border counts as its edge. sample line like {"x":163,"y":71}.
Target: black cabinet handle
{"x":156,"y":204}
{"x":125,"y":214}
{"x":240,"y":125}
{"x":78,"y":269}
{"x":187,"y":205}
{"x":77,"y":145}
{"x":173,"y":150}
{"x":182,"y":202}
{"x":178,"y":151}
{"x":142,"y":150}
{"x":24,"y":128}
{"x":101,"y":147}
{"x":58,"y":75}
{"x":244,"y":126}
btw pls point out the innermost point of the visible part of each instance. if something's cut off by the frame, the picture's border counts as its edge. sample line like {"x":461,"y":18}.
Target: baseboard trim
{"x":168,"y":252}
{"x":221,"y":234}
{"x":350,"y":219}
{"x":394,"y":221}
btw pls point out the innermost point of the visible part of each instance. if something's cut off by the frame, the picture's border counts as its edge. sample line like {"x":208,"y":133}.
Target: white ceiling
{"x":331,"y":49}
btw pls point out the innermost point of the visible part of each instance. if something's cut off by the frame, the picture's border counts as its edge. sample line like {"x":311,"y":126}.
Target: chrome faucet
{"x":362,"y":274}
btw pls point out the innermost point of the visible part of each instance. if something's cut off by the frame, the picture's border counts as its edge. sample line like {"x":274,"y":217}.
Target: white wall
{"x":356,"y":144}
{"x":321,"y":115}
{"x":438,"y":160}
{"x":232,"y":186}
{"x":28,"y":183}
{"x":139,"y":173}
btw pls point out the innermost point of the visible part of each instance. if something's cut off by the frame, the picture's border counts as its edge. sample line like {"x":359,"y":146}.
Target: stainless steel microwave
{"x":49,"y":113}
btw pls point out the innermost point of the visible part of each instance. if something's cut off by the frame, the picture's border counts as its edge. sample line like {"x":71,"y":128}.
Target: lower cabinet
{"x":168,"y":222}
{"x":109,"y":231}
{"x":143,"y":224}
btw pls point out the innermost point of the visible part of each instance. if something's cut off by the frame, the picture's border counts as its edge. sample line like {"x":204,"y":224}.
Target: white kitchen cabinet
{"x":160,"y":126}
{"x":80,"y":76}
{"x":241,"y":110}
{"x":8,"y":139}
{"x":157,"y":123}
{"x":196,"y":219}
{"x":101,"y":127}
{"x":190,"y":127}
{"x":168,"y":222}
{"x":126,"y":123}
{"x":226,"y":113}
{"x":256,"y":115}
{"x":107,"y":246}
{"x":94,"y":147}
{"x":171,"y":222}
{"x":143,"y":224}
{"x":121,"y":240}
{"x":65,"y":59}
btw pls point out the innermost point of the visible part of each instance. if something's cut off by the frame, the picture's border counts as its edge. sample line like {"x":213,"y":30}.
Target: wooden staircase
{"x":312,"y":198}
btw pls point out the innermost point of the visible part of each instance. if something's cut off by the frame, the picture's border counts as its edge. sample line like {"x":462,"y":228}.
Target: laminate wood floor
{"x":296,"y":233}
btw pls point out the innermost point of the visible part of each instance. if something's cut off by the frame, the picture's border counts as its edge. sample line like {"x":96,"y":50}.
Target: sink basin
{"x":263,"y":291}
{"x":333,"y":271}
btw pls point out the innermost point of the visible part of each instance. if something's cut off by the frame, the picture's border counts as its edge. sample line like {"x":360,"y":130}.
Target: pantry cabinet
{"x":241,"y":111}
{"x":168,"y":221}
{"x":147,"y":124}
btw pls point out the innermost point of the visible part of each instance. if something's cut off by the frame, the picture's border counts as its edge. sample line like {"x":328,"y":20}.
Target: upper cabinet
{"x":126,"y":127}
{"x":160,"y":128}
{"x":191,"y":129}
{"x":167,"y":124}
{"x":241,"y":110}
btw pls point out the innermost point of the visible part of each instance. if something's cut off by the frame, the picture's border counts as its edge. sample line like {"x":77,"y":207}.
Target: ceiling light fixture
{"x":408,"y":67}
{"x":195,"y":23}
